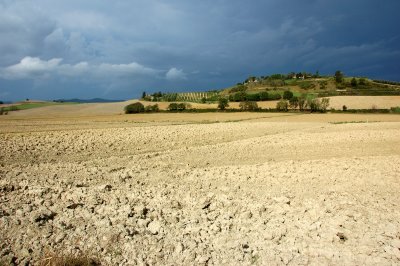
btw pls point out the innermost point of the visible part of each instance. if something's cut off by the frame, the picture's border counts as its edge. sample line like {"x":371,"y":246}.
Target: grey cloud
{"x":169,"y":41}
{"x":175,"y":74}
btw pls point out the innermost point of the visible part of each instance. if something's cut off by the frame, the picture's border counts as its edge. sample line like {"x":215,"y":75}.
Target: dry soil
{"x":201,"y":189}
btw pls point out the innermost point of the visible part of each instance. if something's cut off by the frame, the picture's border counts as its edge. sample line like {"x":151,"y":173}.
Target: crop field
{"x":205,"y":189}
{"x":197,"y":96}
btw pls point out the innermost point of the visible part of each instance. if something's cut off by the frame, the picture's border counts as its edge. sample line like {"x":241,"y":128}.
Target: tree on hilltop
{"x":353,"y":82}
{"x":339,"y":76}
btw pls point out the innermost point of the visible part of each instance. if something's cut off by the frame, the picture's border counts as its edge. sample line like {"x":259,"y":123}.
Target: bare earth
{"x":201,"y":189}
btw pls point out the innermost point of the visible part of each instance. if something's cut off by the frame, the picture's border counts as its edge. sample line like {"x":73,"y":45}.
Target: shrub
{"x":317,"y":105}
{"x":253,"y":97}
{"x":240,"y":96}
{"x":178,"y":106}
{"x":248,"y":106}
{"x":324,"y":104}
{"x":222,"y":103}
{"x":134,"y":108}
{"x":323,"y":84}
{"x":287,"y":95}
{"x":274,"y":96}
{"x":152,"y":108}
{"x":302,"y":103}
{"x":282,"y":106}
{"x":314,"y":104}
{"x":181,"y":106}
{"x":263,"y":96}
{"x":353,"y":82}
{"x":294,"y":102}
{"x":344,"y":108}
{"x":173,"y":107}
{"x":395,"y":109}
{"x":362,"y":81}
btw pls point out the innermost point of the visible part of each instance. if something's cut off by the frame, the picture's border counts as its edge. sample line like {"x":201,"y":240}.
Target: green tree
{"x":287,"y":95}
{"x":203,"y":100}
{"x":362,"y":81}
{"x":240,"y":96}
{"x":339,"y":76}
{"x":152,"y":108}
{"x":182,"y":106}
{"x":144,"y":95}
{"x":302,"y":103}
{"x":274,"y":96}
{"x":173,"y":107}
{"x":294,"y":102}
{"x":282,"y":106}
{"x":353,"y":82}
{"x":263,"y":96}
{"x":253,"y":97}
{"x":223,"y":103}
{"x":134,"y":108}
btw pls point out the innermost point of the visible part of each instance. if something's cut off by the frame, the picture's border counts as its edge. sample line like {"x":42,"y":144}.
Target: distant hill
{"x":272,"y":88}
{"x":94,"y":100}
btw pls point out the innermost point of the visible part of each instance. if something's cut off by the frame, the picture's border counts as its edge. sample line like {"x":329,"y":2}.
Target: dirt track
{"x":180,"y":189}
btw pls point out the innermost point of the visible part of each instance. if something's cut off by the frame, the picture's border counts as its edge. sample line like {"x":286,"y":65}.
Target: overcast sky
{"x":53,"y":49}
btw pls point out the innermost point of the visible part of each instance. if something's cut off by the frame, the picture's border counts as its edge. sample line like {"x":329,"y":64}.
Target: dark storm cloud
{"x":116,"y":49}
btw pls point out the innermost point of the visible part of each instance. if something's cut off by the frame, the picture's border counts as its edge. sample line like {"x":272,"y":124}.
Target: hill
{"x":271,"y":88}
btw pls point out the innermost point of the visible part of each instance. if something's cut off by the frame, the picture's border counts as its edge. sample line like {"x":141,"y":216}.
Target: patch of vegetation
{"x":287,"y":95}
{"x":395,"y":110}
{"x":179,"y":106}
{"x":248,"y":106}
{"x":282,"y":106}
{"x":260,"y":96}
{"x":152,"y":108}
{"x":134,"y":108}
{"x":306,"y":85}
{"x":223,"y":103}
{"x":199,"y":97}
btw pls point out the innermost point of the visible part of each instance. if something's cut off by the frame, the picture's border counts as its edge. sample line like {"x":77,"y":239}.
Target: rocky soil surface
{"x":249,"y":193}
